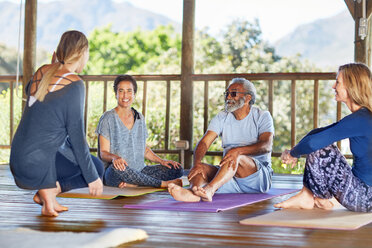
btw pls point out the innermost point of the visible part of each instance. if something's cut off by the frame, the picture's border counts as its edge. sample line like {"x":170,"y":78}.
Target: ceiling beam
{"x":350,"y":6}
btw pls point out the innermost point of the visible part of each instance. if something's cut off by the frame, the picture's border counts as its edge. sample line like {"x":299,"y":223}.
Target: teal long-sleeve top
{"x":44,"y":127}
{"x":357,"y":127}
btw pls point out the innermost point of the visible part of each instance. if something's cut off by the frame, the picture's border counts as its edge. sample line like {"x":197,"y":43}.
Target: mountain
{"x":325,"y":42}
{"x":53,"y":18}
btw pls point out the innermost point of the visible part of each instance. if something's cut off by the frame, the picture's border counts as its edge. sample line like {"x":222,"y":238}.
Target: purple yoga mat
{"x":221,"y":202}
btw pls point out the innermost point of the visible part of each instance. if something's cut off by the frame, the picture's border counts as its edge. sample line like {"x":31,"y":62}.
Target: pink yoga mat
{"x":221,"y":202}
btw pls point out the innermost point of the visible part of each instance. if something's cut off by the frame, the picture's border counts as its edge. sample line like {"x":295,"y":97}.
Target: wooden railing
{"x":268,"y":78}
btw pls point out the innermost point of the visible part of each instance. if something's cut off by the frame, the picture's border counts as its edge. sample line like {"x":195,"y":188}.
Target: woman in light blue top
{"x":122,"y":144}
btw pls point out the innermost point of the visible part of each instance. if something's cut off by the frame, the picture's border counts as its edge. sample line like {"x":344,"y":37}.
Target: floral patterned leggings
{"x":328,"y":174}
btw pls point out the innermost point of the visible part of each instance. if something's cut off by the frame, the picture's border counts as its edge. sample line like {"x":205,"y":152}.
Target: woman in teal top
{"x":327,"y":173}
{"x":49,"y":151}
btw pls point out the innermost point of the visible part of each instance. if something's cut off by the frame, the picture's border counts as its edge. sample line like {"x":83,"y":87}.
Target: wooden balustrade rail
{"x":207,"y":79}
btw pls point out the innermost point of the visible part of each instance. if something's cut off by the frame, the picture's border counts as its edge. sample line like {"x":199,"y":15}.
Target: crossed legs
{"x":204,"y":187}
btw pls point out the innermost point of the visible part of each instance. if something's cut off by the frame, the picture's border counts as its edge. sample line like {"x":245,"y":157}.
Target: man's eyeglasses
{"x":233,"y":93}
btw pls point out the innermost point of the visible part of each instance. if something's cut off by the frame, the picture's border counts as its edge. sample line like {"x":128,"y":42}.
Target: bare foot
{"x":303,"y":200}
{"x":126,"y":185}
{"x":181,"y":194}
{"x":46,"y":197}
{"x":206,"y":193}
{"x":325,"y":204}
{"x":165,"y":184}
{"x":57,"y":207}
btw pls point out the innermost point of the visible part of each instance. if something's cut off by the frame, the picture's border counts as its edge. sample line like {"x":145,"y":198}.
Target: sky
{"x":277,"y":20}
{"x":277,"y":17}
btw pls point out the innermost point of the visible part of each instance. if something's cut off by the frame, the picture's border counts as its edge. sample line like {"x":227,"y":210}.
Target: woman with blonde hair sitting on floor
{"x":327,"y":173}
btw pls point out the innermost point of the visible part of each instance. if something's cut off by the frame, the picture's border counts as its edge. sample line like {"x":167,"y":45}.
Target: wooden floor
{"x":170,"y":228}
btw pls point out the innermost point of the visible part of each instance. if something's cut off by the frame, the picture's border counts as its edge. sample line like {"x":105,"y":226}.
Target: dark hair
{"x":127,"y":78}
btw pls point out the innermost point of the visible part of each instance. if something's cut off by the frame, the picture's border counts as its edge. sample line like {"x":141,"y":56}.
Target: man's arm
{"x":263,"y":145}
{"x":203,"y":146}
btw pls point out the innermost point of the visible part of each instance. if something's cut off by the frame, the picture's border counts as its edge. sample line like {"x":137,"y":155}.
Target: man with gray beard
{"x":247,"y":136}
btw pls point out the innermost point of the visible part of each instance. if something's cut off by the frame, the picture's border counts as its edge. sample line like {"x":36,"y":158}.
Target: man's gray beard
{"x":235,"y":106}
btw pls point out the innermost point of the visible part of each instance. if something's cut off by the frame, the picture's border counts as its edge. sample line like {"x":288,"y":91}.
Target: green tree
{"x":119,"y":52}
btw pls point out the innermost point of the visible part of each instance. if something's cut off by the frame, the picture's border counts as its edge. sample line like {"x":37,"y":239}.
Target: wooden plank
{"x":104,"y":96}
{"x":29,"y":44}
{"x":266,"y":76}
{"x":360,"y":46}
{"x":167,"y":115}
{"x":206,"y":107}
{"x":144,"y":98}
{"x":160,"y":77}
{"x":350,"y":6}
{"x":170,"y":228}
{"x":187,"y":70}
{"x":11,"y":112}
{"x":271,"y":96}
{"x":209,"y":77}
{"x":293,"y":113}
{"x":338,"y":117}
{"x":316,"y":104}
{"x":86,"y":106}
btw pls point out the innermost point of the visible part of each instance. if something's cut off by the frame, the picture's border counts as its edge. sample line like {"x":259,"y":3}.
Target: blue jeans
{"x":69,"y":174}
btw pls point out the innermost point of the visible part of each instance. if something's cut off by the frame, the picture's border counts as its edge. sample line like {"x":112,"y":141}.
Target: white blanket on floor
{"x":25,"y":238}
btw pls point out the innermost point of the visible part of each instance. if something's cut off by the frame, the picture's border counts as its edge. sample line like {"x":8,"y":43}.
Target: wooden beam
{"x":350,"y":6}
{"x":187,"y":70}
{"x":360,"y":46}
{"x":369,"y":40}
{"x":29,"y":51}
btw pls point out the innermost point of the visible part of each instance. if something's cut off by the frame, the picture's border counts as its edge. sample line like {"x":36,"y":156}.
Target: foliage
{"x":5,"y":118}
{"x":118,"y":52}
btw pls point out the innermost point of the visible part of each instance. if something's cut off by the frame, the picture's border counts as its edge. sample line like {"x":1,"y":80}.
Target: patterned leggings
{"x":328,"y":174}
{"x":150,"y":176}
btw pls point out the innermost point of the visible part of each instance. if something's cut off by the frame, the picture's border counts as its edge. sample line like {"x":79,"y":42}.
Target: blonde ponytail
{"x":71,"y":47}
{"x":42,"y":89}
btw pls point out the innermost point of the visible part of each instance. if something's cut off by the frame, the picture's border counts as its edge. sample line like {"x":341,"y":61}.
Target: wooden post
{"x":360,"y":46}
{"x":187,"y":70}
{"x":29,"y":51}
{"x":369,"y":34}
